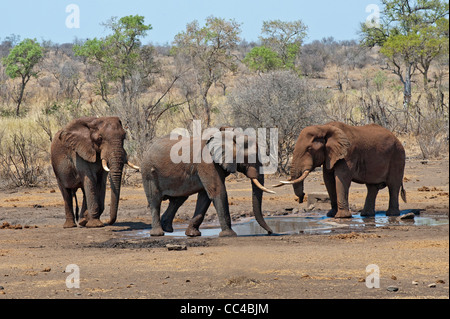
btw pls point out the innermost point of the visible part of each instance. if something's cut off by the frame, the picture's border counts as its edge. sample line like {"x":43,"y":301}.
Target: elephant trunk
{"x":115,"y":177}
{"x":257,"y":195}
{"x":298,"y":190}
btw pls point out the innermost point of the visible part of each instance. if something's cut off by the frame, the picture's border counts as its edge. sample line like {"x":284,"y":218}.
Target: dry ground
{"x":33,"y":258}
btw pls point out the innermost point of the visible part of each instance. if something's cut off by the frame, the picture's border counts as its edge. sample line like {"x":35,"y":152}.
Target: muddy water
{"x":287,"y":225}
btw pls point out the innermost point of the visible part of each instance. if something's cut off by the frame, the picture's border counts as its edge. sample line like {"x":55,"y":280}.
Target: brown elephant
{"x":368,"y":154}
{"x":164,"y":178}
{"x":82,"y":154}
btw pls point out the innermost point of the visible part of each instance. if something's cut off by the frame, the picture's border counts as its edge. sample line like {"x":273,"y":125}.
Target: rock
{"x":393,"y":277}
{"x":415,"y":283}
{"x":176,"y":247}
{"x":432,"y":285}
{"x":407,"y":216}
{"x":392,"y":288}
{"x":318,"y":198}
{"x":440,"y":281}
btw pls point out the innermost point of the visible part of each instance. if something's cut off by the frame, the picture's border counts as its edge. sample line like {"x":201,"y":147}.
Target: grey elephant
{"x":163,"y":178}
{"x":82,"y":155}
{"x":368,"y":154}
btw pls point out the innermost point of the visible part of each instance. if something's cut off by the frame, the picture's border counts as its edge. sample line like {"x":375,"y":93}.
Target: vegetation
{"x":396,"y":75}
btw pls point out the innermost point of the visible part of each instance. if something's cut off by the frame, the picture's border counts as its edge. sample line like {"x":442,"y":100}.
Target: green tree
{"x":119,"y":54}
{"x":208,"y":51}
{"x":21,"y":62}
{"x":285,"y":38}
{"x":263,"y":59}
{"x":411,"y":34}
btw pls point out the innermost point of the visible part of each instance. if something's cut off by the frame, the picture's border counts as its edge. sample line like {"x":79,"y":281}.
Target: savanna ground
{"x":34,"y":255}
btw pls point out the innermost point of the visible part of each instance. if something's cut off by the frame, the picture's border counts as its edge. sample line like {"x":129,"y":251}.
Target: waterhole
{"x":288,"y":225}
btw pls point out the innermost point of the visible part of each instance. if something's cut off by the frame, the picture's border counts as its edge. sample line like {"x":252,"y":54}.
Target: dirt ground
{"x":35,"y":250}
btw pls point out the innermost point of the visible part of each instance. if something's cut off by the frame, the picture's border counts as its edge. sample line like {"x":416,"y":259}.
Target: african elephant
{"x":82,"y":154}
{"x":164,"y":178}
{"x":368,"y":154}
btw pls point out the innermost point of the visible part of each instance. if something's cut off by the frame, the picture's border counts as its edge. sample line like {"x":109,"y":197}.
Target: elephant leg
{"x":330,"y":184}
{"x":155,"y":209}
{"x":221,"y":205}
{"x":169,"y":214}
{"x":203,"y":203}
{"x":67,"y":194}
{"x":92,"y":198}
{"x":369,"y":205}
{"x":83,"y":218}
{"x":394,"y":191}
{"x":342,"y":190}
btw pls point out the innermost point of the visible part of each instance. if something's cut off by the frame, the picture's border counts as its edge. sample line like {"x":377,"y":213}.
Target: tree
{"x":21,"y":62}
{"x":119,"y":55}
{"x":125,"y":72}
{"x":278,"y":99}
{"x":411,"y":34}
{"x":285,"y":38}
{"x":263,"y":59}
{"x":208,"y":51}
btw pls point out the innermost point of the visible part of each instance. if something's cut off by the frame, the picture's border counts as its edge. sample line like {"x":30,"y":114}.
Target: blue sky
{"x":46,"y":19}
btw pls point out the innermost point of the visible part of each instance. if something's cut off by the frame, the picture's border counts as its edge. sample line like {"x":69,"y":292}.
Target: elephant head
{"x":100,"y":139}
{"x":236,"y":152}
{"x":316,"y":145}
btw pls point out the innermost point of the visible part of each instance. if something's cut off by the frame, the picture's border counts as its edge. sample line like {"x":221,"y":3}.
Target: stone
{"x":318,"y":198}
{"x":433,"y":285}
{"x":415,"y":283}
{"x":176,"y":247}
{"x":392,"y":288}
{"x":407,"y":216}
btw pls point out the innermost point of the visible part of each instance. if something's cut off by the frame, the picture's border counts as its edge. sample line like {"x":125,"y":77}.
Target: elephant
{"x":82,"y":155}
{"x":368,"y":154}
{"x":163,"y":178}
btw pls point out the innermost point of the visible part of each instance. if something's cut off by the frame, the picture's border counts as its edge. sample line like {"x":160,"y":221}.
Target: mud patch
{"x":120,"y":243}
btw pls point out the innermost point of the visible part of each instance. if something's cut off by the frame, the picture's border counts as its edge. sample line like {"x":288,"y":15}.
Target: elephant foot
{"x":343,"y":214}
{"x":227,"y":233}
{"x":70,"y":223}
{"x":157,"y":232}
{"x":83,"y":222}
{"x":368,"y":213}
{"x":167,"y":227}
{"x":332,"y":212}
{"x":94,"y":223}
{"x":193,"y":232}
{"x":393,"y":212}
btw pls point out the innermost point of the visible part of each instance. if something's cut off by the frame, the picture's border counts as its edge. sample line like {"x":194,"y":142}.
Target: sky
{"x":47,"y":19}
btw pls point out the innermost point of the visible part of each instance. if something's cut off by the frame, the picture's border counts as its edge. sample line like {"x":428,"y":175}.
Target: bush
{"x":22,"y":158}
{"x":280,"y":100}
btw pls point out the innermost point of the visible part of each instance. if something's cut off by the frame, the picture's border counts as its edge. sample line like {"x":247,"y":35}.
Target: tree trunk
{"x":20,"y":98}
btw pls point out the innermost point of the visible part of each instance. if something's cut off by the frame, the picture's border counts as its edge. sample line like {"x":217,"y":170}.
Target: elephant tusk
{"x":133,"y":166}
{"x":105,"y":165}
{"x":279,"y":185}
{"x":258,"y":184}
{"x":295,"y":181}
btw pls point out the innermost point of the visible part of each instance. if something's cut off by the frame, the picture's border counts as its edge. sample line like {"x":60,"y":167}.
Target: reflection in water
{"x":309,"y":225}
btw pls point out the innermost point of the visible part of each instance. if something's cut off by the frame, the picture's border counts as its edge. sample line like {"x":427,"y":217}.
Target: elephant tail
{"x":403,"y":194}
{"x":74,"y":194}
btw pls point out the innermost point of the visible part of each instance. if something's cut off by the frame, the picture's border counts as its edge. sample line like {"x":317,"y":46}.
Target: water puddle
{"x":288,"y":225}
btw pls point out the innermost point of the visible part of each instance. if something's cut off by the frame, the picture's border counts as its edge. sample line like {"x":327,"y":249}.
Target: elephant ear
{"x":222,"y":146}
{"x":337,"y":145}
{"x":77,"y":136}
